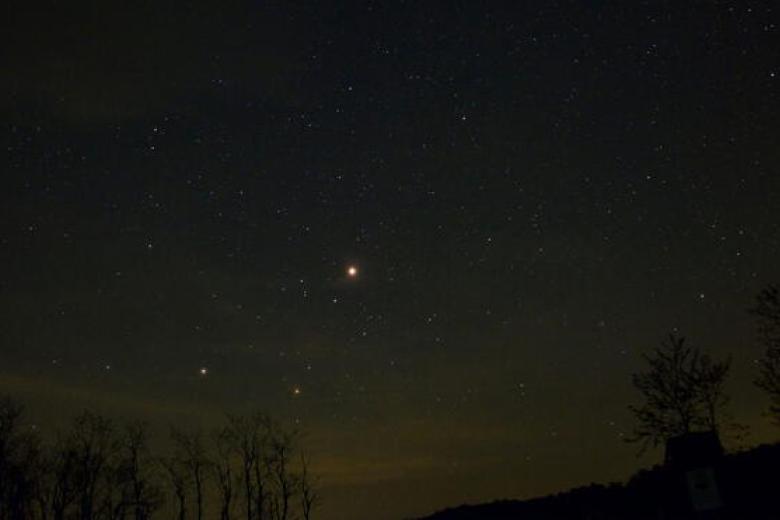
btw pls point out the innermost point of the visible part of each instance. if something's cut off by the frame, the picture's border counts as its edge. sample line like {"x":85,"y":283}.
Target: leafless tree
{"x":682,"y":390}
{"x":93,"y":471}
{"x":20,"y":459}
{"x":249,"y":436}
{"x":10,"y":414}
{"x":193,"y":455}
{"x":31,"y":469}
{"x":710,"y":378}
{"x":767,"y":311}
{"x":63,"y":489}
{"x":223,"y":469}
{"x":140,"y":492}
{"x":284,"y":482}
{"x":308,"y":492}
{"x":178,"y":477}
{"x":94,"y":446}
{"x":261,"y":494}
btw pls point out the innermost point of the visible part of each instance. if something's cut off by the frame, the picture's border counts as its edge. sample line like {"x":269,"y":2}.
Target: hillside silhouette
{"x":747,"y":481}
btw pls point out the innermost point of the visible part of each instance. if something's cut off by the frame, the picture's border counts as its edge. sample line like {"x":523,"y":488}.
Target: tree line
{"x":251,"y":468}
{"x":683,"y":387}
{"x":248,"y":468}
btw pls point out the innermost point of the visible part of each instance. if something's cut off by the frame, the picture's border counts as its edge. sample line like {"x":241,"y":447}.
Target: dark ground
{"x":748,"y":482}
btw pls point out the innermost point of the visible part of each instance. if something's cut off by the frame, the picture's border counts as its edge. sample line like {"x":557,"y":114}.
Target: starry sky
{"x":437,"y":236}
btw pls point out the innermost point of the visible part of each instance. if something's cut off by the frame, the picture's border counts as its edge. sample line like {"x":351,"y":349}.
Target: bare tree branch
{"x":682,"y":391}
{"x":767,"y":311}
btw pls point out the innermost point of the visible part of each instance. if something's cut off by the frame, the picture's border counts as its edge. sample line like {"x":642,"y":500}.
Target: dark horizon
{"x":436,"y":237}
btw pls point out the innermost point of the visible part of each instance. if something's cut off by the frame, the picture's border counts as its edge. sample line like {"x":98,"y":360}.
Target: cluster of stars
{"x":457,"y":200}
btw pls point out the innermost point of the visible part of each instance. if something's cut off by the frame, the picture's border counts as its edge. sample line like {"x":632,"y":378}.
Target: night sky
{"x":530,"y":194}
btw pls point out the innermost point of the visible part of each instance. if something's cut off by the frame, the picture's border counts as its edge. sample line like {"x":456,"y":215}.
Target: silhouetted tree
{"x":140,"y":492}
{"x":62,"y":487}
{"x":283,"y":481}
{"x":223,"y":470}
{"x":309,"y":496}
{"x":249,"y":436}
{"x":767,"y":310}
{"x":261,"y":476}
{"x":178,"y":477}
{"x":20,"y":460}
{"x":94,"y":471}
{"x":94,"y":446}
{"x":194,"y":457}
{"x":10,"y":413}
{"x":682,"y":390}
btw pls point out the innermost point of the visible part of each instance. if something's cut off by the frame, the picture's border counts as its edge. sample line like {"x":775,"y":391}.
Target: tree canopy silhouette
{"x":247,"y":468}
{"x":682,"y":390}
{"x":767,"y":310}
